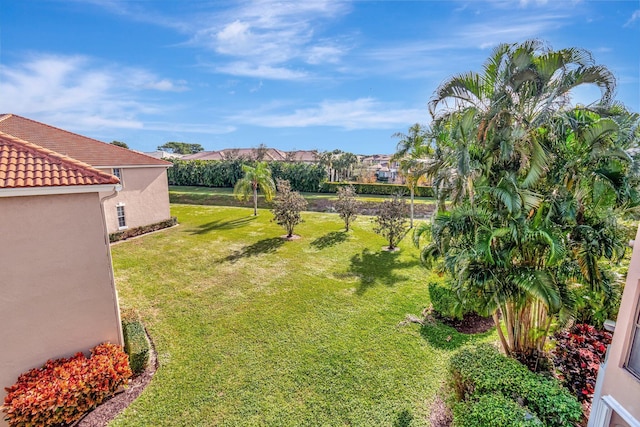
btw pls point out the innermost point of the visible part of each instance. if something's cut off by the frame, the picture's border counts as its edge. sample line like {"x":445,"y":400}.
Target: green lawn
{"x":224,"y":197}
{"x":254,"y":330}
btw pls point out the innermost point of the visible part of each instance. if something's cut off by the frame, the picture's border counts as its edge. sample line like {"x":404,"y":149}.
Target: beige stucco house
{"x":57,"y":293}
{"x":144,"y":198}
{"x":616,"y":401}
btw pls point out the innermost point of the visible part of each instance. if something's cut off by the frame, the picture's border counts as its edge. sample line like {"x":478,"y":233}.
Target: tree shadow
{"x":223,"y":225}
{"x":377,"y":267}
{"x":329,"y":239}
{"x":446,"y":337}
{"x":403,"y":419}
{"x":263,"y":246}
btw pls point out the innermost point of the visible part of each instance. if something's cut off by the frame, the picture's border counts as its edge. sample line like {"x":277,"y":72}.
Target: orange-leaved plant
{"x":62,"y":390}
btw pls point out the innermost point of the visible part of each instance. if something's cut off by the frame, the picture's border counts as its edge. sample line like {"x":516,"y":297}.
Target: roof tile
{"x":28,"y":165}
{"x":87,"y":150}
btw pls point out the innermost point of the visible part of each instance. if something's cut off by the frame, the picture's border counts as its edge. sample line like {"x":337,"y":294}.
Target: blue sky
{"x":288,"y":74}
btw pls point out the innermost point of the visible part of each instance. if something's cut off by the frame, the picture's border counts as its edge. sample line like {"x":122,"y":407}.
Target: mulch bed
{"x":108,"y":410}
{"x":470,"y":323}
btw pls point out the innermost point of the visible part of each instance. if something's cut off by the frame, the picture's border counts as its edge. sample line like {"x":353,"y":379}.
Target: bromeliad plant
{"x":62,"y":390}
{"x":538,"y":187}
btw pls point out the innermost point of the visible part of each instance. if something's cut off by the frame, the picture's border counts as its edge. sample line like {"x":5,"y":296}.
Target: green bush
{"x":376,"y":189}
{"x":493,"y":410}
{"x":444,"y":301}
{"x":138,"y":231}
{"x":136,"y":345}
{"x":482,"y":370}
{"x":225,"y":173}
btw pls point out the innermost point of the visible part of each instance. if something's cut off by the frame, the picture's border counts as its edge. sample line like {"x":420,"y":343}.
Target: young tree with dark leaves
{"x":347,"y":205}
{"x":391,"y":221}
{"x":287,"y":206}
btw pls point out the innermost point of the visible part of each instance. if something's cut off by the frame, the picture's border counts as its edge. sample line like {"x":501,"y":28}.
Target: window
{"x":117,"y":173}
{"x":633,"y":364}
{"x":122,"y":222}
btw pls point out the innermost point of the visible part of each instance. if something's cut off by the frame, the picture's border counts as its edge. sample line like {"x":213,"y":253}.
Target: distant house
{"x":159,"y":154}
{"x":616,"y":401}
{"x":57,"y":290}
{"x":269,"y":155}
{"x":382,"y":166}
{"x":144,"y":198}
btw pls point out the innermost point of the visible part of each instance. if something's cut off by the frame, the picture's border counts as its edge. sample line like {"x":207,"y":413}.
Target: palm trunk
{"x":411,"y":208}
{"x":255,"y":201}
{"x":496,"y":321}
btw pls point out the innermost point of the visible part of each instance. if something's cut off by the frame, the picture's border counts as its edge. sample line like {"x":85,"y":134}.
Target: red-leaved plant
{"x":577,"y":358}
{"x":62,"y":390}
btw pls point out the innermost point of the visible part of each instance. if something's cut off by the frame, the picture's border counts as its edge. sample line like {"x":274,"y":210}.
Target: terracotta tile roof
{"x":271,"y":154}
{"x":87,"y":150}
{"x":23,"y":165}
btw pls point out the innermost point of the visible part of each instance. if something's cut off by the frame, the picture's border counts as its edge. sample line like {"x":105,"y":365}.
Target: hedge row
{"x":136,"y":345}
{"x":482,"y":371}
{"x":62,"y":390}
{"x":376,"y":189}
{"x":138,"y":231}
{"x":225,"y":173}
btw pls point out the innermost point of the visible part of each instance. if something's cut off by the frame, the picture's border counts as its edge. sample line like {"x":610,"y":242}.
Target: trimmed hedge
{"x":482,"y":370}
{"x":225,"y":173}
{"x":136,"y":345}
{"x":62,"y":390}
{"x":138,"y":231}
{"x":493,"y":410}
{"x":445,"y":301}
{"x":376,"y":189}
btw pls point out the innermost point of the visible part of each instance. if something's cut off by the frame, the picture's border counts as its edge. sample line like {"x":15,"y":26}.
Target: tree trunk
{"x":255,"y":201}
{"x":496,"y":321}
{"x":411,"y":221}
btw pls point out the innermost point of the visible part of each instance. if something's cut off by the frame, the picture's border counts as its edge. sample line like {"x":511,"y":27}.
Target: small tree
{"x":287,"y":207}
{"x":391,"y":221}
{"x":347,"y":205}
{"x":258,"y":178}
{"x":119,"y":144}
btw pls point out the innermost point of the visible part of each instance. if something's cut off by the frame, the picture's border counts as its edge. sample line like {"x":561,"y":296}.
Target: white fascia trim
{"x":50,"y":191}
{"x":131,"y":166}
{"x":620,"y":410}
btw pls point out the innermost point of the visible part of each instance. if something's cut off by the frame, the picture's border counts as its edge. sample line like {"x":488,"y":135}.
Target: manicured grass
{"x":254,"y":330}
{"x":224,"y":197}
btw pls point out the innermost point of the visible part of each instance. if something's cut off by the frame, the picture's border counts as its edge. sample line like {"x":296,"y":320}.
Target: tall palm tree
{"x":523,"y":227}
{"x":412,"y":154}
{"x":255,"y":178}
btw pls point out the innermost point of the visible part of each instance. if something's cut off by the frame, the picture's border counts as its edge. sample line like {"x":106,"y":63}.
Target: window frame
{"x":117,"y":172}
{"x":121,"y":216}
{"x":635,"y":335}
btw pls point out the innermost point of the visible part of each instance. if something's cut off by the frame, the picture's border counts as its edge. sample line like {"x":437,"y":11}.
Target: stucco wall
{"x":145,"y":194}
{"x":618,"y":382}
{"x":56,"y":289}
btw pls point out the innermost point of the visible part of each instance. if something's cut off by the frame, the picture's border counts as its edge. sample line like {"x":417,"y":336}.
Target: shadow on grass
{"x":445,"y":337}
{"x":260,"y":247}
{"x":377,"y":267}
{"x":403,"y":419}
{"x":330,"y":239}
{"x":223,"y":225}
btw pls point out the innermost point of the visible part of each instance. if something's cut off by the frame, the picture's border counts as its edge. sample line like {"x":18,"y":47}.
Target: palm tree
{"x":526,"y":222}
{"x":412,"y":153}
{"x":258,"y":178}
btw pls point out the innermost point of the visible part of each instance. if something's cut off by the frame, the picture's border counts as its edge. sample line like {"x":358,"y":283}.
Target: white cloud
{"x":264,"y":35}
{"x":75,"y":92}
{"x":635,"y":16}
{"x":362,"y":113}
{"x":261,"y":71}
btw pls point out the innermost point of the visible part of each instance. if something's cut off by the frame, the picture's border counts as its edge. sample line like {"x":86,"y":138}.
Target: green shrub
{"x":225,"y":173}
{"x":138,"y":231}
{"x":482,"y":370}
{"x":136,"y":345}
{"x":444,"y":301}
{"x":493,"y":410}
{"x":376,"y":189}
